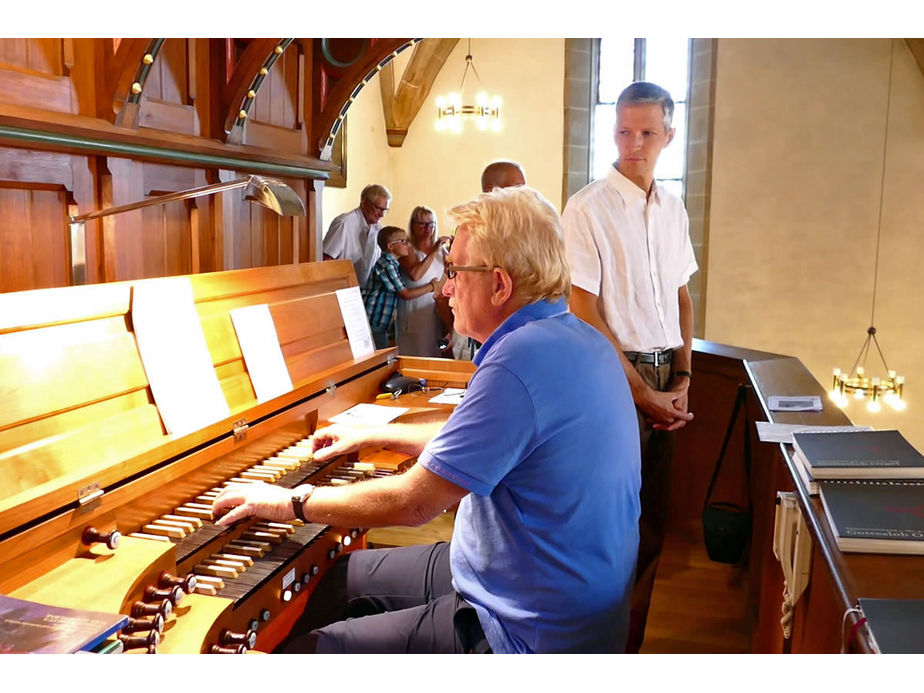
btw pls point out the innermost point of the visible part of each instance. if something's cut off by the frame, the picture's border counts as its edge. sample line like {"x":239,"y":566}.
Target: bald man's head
{"x":502,"y":174}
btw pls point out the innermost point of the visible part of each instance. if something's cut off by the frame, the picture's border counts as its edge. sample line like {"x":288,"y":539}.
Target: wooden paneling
{"x":32,"y":72}
{"x":276,"y":102}
{"x":33,"y":239}
{"x":73,"y":141}
{"x":40,"y":55}
{"x":35,"y":191}
{"x":167,"y":101}
{"x":168,"y":80}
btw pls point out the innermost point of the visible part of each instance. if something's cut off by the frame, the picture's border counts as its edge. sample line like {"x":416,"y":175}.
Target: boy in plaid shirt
{"x":385,"y":284}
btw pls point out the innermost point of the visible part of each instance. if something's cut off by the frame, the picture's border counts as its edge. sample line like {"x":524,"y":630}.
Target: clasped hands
{"x":667,"y":410}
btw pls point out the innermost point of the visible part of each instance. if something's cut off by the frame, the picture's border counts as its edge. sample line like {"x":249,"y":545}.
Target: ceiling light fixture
{"x":857,"y":382}
{"x":452,"y":110}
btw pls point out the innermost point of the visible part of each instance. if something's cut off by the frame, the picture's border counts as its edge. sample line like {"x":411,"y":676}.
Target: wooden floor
{"x":697,"y":606}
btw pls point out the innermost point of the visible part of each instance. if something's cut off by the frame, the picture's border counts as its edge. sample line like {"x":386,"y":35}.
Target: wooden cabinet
{"x":820,"y":620}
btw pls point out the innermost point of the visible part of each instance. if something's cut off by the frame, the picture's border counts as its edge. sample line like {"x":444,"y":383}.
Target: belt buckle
{"x":660,"y":358}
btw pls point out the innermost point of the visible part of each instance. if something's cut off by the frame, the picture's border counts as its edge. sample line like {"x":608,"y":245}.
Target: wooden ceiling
{"x":916,"y":46}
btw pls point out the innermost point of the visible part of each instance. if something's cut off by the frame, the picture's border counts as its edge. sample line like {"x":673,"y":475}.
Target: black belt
{"x":658,"y":358}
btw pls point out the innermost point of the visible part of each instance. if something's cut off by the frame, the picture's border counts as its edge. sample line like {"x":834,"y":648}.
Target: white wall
{"x":443,"y":169}
{"x":797,"y":164}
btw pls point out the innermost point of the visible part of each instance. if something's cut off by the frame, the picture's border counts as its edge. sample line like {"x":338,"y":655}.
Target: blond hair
{"x":418,"y":212}
{"x":518,"y":230}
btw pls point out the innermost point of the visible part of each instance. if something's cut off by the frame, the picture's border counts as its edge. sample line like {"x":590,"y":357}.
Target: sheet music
{"x":175,"y":356}
{"x":256,"y":334}
{"x":369,"y":414}
{"x":355,"y":321}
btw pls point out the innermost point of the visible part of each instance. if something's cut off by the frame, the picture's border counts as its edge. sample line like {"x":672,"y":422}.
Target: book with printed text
{"x":30,"y":627}
{"x":875,"y":516}
{"x":859,"y":455}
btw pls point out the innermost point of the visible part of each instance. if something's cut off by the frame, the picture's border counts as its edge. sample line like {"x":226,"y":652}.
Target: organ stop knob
{"x":91,"y":535}
{"x":173,"y":594}
{"x":187,"y":584}
{"x":231,"y":638}
{"x":149,"y":641}
{"x":240,"y":649}
{"x":141,"y":609}
{"x":138,"y":625}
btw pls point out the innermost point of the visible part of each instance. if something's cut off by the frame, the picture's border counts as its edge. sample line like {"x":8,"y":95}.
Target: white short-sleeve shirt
{"x":350,"y":237}
{"x":635,"y":253}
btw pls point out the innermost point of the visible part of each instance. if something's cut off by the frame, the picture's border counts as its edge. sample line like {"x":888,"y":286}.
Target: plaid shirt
{"x":381,"y":294}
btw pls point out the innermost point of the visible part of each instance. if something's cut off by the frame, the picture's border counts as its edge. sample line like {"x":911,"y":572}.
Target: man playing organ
{"x":542,"y":456}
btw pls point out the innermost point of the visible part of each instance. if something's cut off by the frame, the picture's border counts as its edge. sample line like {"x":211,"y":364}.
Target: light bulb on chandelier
{"x":452,"y":111}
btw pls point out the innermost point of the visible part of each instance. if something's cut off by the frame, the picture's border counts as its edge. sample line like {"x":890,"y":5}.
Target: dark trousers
{"x":380,"y":336}
{"x":388,"y":601}
{"x":657,"y":452}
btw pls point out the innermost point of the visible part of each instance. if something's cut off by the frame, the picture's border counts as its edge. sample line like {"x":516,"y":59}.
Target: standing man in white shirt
{"x":629,"y":248}
{"x":352,"y":235}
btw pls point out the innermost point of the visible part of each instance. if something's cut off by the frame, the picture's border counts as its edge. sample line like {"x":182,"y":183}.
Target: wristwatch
{"x":302,"y":493}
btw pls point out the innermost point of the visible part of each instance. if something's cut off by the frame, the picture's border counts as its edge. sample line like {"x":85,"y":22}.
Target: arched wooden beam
{"x":246,"y":78}
{"x":402,"y":104}
{"x":122,"y":70}
{"x":916,"y":46}
{"x":340,"y":69}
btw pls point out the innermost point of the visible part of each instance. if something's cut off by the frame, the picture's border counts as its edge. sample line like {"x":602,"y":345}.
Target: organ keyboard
{"x":102,"y":509}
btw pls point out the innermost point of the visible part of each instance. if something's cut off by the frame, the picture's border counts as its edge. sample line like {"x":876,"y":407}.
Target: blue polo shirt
{"x":546,"y":440}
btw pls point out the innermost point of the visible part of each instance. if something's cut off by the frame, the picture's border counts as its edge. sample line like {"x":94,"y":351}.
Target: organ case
{"x":85,"y":457}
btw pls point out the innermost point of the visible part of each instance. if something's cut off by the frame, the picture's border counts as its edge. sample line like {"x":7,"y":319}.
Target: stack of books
{"x":871,"y":485}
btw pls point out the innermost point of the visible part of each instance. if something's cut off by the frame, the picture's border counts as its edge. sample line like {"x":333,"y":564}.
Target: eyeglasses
{"x":374,"y":206}
{"x":428,"y":224}
{"x":400,"y":241}
{"x":452,"y":270}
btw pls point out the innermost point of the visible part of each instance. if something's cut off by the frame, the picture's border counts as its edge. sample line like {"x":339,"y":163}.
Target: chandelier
{"x":856,"y":381}
{"x":452,"y":110}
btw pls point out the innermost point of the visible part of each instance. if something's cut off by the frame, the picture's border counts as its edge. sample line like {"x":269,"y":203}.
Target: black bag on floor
{"x":727,"y":526}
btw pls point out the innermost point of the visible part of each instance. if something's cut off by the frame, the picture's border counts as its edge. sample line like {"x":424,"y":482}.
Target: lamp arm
{"x":163,"y":199}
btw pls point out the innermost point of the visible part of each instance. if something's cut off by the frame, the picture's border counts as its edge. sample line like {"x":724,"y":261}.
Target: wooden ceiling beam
{"x":916,"y":46}
{"x":402,"y":104}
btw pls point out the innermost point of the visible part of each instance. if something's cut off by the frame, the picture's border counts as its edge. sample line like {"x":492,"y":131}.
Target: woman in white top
{"x":420,"y":325}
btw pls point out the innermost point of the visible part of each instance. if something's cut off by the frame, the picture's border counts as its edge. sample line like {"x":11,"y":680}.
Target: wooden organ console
{"x":102,"y":509}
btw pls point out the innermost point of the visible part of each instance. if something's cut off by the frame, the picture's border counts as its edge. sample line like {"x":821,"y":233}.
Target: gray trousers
{"x":388,"y":601}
